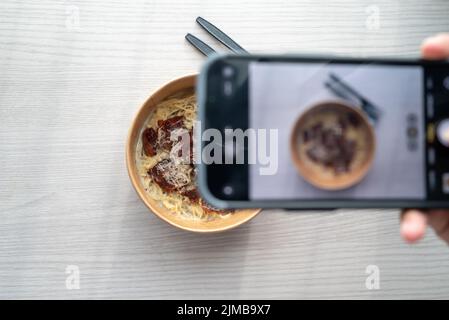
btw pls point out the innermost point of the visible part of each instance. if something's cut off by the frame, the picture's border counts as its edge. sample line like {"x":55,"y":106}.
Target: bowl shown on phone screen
{"x":332,"y":145}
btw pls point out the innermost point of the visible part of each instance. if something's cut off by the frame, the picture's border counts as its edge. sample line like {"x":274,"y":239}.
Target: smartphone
{"x":265,"y":139}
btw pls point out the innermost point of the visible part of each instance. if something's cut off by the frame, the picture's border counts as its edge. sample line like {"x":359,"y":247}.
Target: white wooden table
{"x":72,"y":75}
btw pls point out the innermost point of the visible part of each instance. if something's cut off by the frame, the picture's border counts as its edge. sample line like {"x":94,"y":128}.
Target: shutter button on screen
{"x":443,"y":132}
{"x":446,"y":83}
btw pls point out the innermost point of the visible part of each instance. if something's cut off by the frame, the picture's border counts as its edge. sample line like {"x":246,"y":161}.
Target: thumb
{"x":413,"y":225}
{"x":436,"y":47}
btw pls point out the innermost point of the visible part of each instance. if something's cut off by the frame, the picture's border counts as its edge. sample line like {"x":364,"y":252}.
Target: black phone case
{"x":303,"y":204}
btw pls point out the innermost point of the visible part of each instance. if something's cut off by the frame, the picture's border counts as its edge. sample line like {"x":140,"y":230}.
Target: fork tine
{"x":200,"y":45}
{"x":220,"y":35}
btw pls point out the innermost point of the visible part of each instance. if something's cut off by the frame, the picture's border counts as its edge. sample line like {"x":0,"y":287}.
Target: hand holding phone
{"x":313,"y":132}
{"x":414,"y":222}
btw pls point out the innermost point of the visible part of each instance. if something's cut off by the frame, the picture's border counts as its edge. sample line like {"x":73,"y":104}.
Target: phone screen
{"x":395,"y":151}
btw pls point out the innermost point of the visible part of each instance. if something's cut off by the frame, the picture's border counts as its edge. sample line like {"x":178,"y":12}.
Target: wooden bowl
{"x":317,"y":174}
{"x":235,"y":219}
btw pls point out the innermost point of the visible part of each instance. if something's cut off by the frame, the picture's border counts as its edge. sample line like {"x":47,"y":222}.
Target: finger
{"x":439,"y":221}
{"x":436,"y":47}
{"x":413,"y":225}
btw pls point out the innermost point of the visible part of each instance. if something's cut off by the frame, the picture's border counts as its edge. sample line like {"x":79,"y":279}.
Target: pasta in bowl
{"x":159,"y":155}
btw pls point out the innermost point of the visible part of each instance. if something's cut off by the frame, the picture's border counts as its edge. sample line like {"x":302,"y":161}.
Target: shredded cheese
{"x":183,"y":104}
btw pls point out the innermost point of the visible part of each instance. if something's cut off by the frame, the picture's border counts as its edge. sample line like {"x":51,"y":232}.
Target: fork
{"x":205,"y":49}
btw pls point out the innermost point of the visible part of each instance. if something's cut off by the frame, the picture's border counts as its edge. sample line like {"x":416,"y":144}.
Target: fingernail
{"x":407,"y":226}
{"x":410,"y":231}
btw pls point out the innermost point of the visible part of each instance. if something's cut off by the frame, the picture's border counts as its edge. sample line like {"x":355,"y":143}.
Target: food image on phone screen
{"x":343,"y":130}
{"x":280,"y":93}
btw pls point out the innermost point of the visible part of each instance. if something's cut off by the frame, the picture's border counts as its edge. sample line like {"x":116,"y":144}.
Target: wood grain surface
{"x":72,"y":75}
